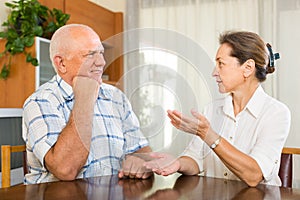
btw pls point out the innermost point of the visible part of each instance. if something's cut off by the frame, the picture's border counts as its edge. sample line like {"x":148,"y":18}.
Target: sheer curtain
{"x":170,"y":49}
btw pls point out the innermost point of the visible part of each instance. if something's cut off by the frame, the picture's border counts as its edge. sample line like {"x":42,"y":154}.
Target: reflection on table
{"x":157,"y":187}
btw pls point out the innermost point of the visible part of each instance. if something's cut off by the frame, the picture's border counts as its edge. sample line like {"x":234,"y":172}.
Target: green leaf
{"x":12,"y":34}
{"x":10,"y":5}
{"x":38,"y":30}
{"x":34,"y":62}
{"x":17,"y":46}
{"x":28,"y":41}
{"x":4,"y":72}
{"x":3,"y":34}
{"x":28,"y":58}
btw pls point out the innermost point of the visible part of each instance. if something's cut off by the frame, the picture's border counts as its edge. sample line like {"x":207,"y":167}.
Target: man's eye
{"x":91,"y":54}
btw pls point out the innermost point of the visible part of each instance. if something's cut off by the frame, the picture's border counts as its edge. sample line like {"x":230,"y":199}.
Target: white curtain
{"x":170,"y":49}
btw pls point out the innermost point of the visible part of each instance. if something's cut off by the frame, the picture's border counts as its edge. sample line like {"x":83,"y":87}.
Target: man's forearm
{"x":66,"y":158}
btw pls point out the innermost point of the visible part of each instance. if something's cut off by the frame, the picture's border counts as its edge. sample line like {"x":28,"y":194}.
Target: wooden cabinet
{"x":21,"y":82}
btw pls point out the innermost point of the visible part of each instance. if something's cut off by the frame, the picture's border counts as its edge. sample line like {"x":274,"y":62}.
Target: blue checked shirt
{"x":116,"y":129}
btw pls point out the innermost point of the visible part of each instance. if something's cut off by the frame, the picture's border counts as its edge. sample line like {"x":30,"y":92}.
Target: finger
{"x":156,"y":155}
{"x":168,"y":171}
{"x":126,"y":166}
{"x":177,"y":113}
{"x":152,"y":165}
{"x":140,"y":172}
{"x":147,"y":175}
{"x":173,"y":117}
{"x":157,"y":171}
{"x":198,"y":116}
{"x":143,"y":173}
{"x":121,"y":174}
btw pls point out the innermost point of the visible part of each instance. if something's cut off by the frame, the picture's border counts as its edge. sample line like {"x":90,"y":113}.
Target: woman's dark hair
{"x":248,"y":45}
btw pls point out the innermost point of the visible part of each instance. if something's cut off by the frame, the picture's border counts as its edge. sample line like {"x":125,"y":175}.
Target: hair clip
{"x":272,"y":57}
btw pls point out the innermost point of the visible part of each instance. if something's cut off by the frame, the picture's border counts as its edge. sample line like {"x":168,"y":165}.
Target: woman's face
{"x":228,"y":72}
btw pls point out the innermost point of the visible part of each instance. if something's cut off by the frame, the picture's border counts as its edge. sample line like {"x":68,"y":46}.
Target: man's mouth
{"x":97,"y":71}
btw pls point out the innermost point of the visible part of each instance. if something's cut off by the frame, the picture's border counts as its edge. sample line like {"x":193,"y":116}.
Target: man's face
{"x":85,"y":58}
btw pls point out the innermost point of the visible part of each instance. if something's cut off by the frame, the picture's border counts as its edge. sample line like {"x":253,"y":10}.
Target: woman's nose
{"x":215,"y":72}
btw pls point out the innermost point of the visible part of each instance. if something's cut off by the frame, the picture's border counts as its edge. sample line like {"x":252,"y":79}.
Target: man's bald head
{"x":69,"y":38}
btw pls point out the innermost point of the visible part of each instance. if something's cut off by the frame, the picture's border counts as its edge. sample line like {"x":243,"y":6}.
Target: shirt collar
{"x":254,"y":106}
{"x":256,"y":103}
{"x":67,"y":90}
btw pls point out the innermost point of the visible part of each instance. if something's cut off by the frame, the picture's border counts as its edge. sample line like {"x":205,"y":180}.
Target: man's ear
{"x":249,"y":67}
{"x":59,"y":64}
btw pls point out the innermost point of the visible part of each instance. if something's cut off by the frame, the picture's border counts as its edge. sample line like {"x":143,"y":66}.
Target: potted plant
{"x":28,"y":19}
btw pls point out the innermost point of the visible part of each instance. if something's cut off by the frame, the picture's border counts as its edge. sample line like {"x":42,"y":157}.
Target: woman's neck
{"x":241,"y":97}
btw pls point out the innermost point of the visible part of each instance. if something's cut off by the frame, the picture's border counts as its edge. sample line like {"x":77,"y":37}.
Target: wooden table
{"x":157,"y":187}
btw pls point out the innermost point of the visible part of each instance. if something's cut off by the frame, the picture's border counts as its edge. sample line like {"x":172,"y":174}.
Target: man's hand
{"x":133,"y":166}
{"x":85,"y":89}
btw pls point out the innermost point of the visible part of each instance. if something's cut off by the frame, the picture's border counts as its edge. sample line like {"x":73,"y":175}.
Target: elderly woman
{"x":240,"y":136}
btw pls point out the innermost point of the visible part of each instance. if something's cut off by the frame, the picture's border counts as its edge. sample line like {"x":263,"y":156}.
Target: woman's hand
{"x":163,"y":163}
{"x":198,"y":125}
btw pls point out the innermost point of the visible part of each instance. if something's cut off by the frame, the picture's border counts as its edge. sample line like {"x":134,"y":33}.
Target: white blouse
{"x":260,"y":131}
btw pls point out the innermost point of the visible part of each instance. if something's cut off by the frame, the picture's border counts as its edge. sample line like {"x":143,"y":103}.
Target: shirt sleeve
{"x":273,"y":134}
{"x":195,"y":151}
{"x":38,"y":114}
{"x":134,"y":138}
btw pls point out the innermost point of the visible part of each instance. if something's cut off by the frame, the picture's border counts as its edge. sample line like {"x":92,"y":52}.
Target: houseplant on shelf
{"x":28,"y":19}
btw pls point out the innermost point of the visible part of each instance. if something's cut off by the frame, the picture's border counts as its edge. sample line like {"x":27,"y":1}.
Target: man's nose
{"x":99,"y":59}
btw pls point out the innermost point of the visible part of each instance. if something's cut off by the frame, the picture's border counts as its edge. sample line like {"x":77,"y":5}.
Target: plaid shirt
{"x":116,"y":129}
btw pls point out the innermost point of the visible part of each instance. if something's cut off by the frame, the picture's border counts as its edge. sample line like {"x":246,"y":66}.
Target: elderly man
{"x":75,"y":126}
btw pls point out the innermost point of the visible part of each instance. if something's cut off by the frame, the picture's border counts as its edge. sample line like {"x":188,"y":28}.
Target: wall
{"x":3,"y":12}
{"x":288,"y":73}
{"x":113,"y":5}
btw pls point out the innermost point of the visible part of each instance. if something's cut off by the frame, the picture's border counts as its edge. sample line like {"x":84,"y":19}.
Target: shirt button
{"x":225,"y":173}
{"x":230,"y":137}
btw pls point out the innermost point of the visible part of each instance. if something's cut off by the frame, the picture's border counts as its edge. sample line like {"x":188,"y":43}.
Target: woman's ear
{"x":59,"y":64}
{"x":249,"y":67}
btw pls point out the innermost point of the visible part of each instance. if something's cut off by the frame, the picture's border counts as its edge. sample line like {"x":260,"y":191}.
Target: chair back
{"x":286,"y":166}
{"x":6,"y":151}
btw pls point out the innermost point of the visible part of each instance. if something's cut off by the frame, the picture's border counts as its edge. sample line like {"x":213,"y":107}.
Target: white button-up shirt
{"x":260,"y":131}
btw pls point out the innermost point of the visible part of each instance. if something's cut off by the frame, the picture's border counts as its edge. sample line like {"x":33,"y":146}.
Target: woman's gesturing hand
{"x":197,"y":125}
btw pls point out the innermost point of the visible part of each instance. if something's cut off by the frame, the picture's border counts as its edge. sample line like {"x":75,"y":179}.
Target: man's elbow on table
{"x":66,"y":174}
{"x":64,"y":171}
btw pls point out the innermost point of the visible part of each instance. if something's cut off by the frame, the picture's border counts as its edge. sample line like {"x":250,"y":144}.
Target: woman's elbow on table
{"x":254,"y":180}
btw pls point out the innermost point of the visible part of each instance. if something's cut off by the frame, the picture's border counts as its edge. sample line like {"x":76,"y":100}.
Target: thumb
{"x":196,"y":114}
{"x":156,"y":155}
